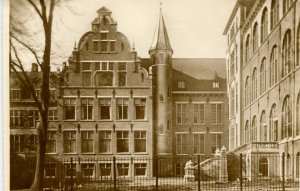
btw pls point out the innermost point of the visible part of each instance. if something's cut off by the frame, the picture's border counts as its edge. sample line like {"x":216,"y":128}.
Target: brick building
{"x":110,"y":102}
{"x":263,"y":83}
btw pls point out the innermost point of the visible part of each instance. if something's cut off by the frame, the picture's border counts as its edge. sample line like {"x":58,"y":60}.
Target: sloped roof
{"x":161,"y":39}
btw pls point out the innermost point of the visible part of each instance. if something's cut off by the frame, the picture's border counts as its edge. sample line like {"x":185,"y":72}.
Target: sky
{"x":195,"y":27}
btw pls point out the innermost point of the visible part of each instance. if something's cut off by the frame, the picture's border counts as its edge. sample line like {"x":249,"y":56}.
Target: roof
{"x":161,"y":39}
{"x":103,"y":9}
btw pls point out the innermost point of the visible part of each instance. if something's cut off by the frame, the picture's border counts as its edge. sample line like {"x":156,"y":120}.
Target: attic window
{"x":181,"y":84}
{"x":215,"y":84}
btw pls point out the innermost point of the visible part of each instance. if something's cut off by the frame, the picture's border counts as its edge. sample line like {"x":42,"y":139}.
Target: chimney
{"x":34,"y":67}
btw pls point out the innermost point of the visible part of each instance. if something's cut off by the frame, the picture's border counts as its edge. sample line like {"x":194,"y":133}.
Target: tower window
{"x":161,"y":58}
{"x":181,"y":84}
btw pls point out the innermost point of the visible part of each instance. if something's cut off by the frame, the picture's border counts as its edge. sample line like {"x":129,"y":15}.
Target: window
{"x":273,"y":124}
{"x":161,"y":58}
{"x":286,"y":5}
{"x":95,"y":46}
{"x":264,"y":25}
{"x":253,"y":130}
{"x":104,"y":141}
{"x":140,"y":108}
{"x":122,"y":74}
{"x":104,"y":46}
{"x":86,"y":79}
{"x":263,"y":167}
{"x":263,"y":73}
{"x":181,"y":84}
{"x":286,"y":130}
{"x":232,"y":102}
{"x":123,"y":169}
{"x":199,"y":143}
{"x":50,"y":170}
{"x":181,"y":110}
{"x":274,"y":13}
{"x":105,"y":169}
{"x":140,"y":141}
{"x":70,"y":170}
{"x":104,"y":78}
{"x":122,"y":108}
{"x":122,"y":141}
{"x":52,"y":115}
{"x":15,"y":118}
{"x":69,"y":108}
{"x":87,"y":144}
{"x":216,"y":113}
{"x":286,"y":54}
{"x":298,"y":46}
{"x":51,"y":142}
{"x":263,"y":127}
{"x":17,"y":143}
{"x":105,"y":108}
{"x":32,"y":118}
{"x":247,"y":133}
{"x":87,"y":169}
{"x":254,"y":84}
{"x":104,"y":35}
{"x":86,"y":66}
{"x":140,"y":169}
{"x":298,"y":116}
{"x":181,"y":143}
{"x":215,"y":142}
{"x":232,"y":64}
{"x":198,"y":113}
{"x":15,"y":94}
{"x":247,"y":49}
{"x":274,"y":67}
{"x":255,"y":37}
{"x":69,"y":141}
{"x":25,"y":93}
{"x":112,"y":46}
{"x":247,"y":91}
{"x":87,"y":108}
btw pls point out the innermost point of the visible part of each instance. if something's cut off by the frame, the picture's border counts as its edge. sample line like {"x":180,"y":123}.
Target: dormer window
{"x":181,"y":84}
{"x":103,"y":35}
{"x":215,"y":84}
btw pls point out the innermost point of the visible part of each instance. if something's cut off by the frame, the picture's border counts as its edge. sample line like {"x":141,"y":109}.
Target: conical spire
{"x":161,"y":38}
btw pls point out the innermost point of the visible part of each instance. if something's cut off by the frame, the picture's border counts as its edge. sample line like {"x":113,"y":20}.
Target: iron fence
{"x":233,"y":172}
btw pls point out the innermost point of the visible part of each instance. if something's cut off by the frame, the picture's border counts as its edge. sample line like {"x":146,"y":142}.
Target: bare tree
{"x":44,"y":11}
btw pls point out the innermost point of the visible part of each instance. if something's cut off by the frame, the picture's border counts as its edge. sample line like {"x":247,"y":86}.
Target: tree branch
{"x":35,"y":8}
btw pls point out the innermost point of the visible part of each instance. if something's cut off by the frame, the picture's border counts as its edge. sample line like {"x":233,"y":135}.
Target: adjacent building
{"x":110,"y":102}
{"x":263,"y":83}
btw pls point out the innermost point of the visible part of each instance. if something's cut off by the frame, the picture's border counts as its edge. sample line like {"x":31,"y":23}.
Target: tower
{"x":161,"y":61}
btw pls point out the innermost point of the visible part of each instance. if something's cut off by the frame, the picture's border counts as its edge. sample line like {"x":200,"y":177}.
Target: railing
{"x":244,"y":172}
{"x":257,"y":146}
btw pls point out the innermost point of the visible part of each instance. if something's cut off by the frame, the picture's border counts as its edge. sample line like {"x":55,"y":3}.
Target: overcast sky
{"x":195,"y":27}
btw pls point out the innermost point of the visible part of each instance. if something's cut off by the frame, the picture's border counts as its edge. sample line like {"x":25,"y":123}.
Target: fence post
{"x":241,"y":172}
{"x":72,"y":185}
{"x":198,"y":169}
{"x":114,"y":173}
{"x":283,"y":171}
{"x":156,"y":173}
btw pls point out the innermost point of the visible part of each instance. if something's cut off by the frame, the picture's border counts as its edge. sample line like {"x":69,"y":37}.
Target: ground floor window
{"x":87,"y":169}
{"x":50,"y":170}
{"x":105,"y":169}
{"x":123,"y":169}
{"x":140,"y":169}
{"x":70,"y":170}
{"x":297,"y":165}
{"x":263,"y":167}
{"x":179,"y":169}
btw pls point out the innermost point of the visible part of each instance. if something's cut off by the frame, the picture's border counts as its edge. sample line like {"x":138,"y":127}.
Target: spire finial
{"x":160,"y":6}
{"x":75,"y":46}
{"x":133,"y":44}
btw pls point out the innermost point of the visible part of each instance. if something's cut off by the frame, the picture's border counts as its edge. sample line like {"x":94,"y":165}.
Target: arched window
{"x":263,"y":167}
{"x":274,"y":66}
{"x":264,"y":25}
{"x":254,"y":130}
{"x":286,"y":5}
{"x":255,"y":37}
{"x":247,"y":52}
{"x":254,"y":84}
{"x":286,"y":130}
{"x":286,"y":54}
{"x":273,"y":124}
{"x":298,"y":116}
{"x":247,"y":91}
{"x":247,"y":132}
{"x":298,"y":45}
{"x":263,"y":127}
{"x":274,"y":13}
{"x":297,"y":165}
{"x":263,"y":73}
